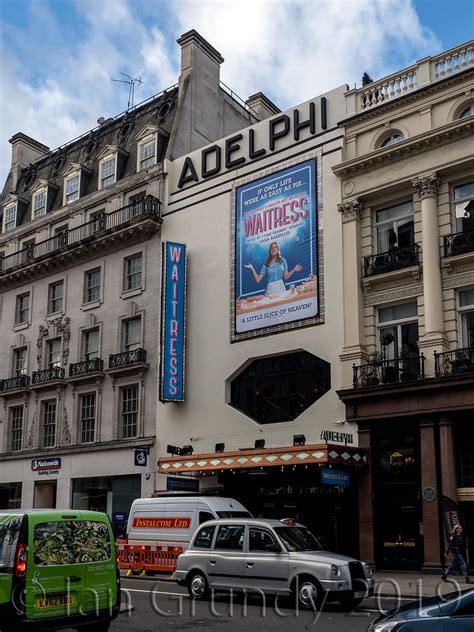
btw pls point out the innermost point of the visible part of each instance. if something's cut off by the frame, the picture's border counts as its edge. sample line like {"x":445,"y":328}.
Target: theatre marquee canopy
{"x":325,"y":453}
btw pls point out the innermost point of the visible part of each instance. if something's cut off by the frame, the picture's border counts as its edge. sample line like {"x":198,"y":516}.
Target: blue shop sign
{"x":182,"y":484}
{"x":173,"y":317}
{"x":119,"y":517}
{"x":335,"y":477}
{"x":140,"y":457}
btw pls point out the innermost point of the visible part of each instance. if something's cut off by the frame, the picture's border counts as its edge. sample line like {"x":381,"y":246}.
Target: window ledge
{"x":135,"y":292}
{"x":91,"y":305}
{"x":20,"y":326}
{"x":55,"y":314}
{"x":456,"y":260}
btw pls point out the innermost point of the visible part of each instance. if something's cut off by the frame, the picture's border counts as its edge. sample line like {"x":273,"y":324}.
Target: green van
{"x":58,"y":569}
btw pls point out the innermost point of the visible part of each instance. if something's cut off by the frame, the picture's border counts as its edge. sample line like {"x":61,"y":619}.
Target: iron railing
{"x":126,"y":358}
{"x":88,"y":366}
{"x":146,"y":206}
{"x":46,"y":375}
{"x":454,"y":362}
{"x":394,"y":259}
{"x":459,"y":243}
{"x":11,"y":383}
{"x":389,"y":371}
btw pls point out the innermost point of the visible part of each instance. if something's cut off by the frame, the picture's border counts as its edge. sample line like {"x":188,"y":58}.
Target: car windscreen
{"x":298,"y":539}
{"x":72,"y":542}
{"x":9,"y":532}
{"x":233,"y":514}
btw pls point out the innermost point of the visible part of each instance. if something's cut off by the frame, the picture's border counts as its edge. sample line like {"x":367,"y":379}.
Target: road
{"x":159,"y":605}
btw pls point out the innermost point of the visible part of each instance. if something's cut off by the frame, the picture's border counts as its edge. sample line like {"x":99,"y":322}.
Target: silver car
{"x":270,"y":557}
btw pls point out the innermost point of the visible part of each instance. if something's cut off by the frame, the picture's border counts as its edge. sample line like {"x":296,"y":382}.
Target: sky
{"x":58,"y":56}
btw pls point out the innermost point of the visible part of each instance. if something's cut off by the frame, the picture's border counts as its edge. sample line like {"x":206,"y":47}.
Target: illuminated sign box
{"x":173,"y":322}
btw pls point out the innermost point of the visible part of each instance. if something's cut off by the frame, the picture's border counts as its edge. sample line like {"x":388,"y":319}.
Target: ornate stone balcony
{"x":425,"y":72}
{"x":391,"y":371}
{"x":105,"y":233}
{"x":454,"y":362}
{"x":395,"y":259}
{"x":458,"y":243}
{"x":46,"y":376}
{"x":12,"y":385}
{"x":127,"y":362}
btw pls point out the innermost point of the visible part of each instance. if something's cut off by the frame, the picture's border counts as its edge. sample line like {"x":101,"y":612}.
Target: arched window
{"x":394,"y":137}
{"x":466,"y":112}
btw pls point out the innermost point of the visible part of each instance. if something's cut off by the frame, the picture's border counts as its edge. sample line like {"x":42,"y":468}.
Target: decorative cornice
{"x":427,"y":185}
{"x":420,"y":144}
{"x":350,"y":211}
{"x":394,"y":295}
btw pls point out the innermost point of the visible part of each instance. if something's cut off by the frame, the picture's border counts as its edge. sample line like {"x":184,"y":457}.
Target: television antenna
{"x":131,"y":81}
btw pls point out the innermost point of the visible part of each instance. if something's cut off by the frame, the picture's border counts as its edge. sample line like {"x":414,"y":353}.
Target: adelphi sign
{"x":162,"y":523}
{"x":243,"y":147}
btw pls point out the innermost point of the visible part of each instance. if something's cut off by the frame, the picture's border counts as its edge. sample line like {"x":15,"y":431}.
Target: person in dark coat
{"x":456,"y":546}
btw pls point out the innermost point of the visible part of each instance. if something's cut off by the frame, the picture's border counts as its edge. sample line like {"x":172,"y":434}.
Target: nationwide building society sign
{"x":46,"y":467}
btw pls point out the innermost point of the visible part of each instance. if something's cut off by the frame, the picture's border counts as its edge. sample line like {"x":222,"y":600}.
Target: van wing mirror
{"x":273,"y":548}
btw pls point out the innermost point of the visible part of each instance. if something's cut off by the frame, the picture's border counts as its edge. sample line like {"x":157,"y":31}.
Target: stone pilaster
{"x":429,"y":501}
{"x":366,"y":508}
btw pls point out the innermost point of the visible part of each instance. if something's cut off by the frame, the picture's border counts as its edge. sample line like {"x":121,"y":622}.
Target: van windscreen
{"x":73,"y":542}
{"x":233,"y":514}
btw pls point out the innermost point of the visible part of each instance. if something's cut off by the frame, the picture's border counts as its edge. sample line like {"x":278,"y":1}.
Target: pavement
{"x":403,"y":585}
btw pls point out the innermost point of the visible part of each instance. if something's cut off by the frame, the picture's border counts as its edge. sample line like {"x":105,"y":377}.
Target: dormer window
{"x":71,"y":189}
{"x":39,"y":203}
{"x":9,"y":218}
{"x":147,"y":153}
{"x":107,"y":171}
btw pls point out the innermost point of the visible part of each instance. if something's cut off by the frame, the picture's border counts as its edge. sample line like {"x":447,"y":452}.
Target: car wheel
{"x":308,"y":593}
{"x":198,"y":587}
{"x":350,"y":603}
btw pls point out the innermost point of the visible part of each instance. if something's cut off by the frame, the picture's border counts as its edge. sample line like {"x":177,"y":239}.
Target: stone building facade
{"x":80,"y":282}
{"x":407,"y":186}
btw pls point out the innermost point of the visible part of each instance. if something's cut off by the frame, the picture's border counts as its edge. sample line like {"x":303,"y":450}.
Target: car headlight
{"x":335,"y":570}
{"x":367,"y":569}
{"x":389,"y":626}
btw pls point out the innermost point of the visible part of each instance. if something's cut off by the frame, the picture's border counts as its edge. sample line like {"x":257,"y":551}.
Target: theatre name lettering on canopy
{"x":243,"y":147}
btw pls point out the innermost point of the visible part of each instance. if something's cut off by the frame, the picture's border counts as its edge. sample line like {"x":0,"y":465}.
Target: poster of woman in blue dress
{"x":276,"y":263}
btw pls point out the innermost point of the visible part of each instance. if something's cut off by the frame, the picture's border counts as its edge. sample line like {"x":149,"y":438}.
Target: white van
{"x":172,"y":520}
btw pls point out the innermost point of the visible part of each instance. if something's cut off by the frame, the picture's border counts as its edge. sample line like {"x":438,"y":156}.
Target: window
{"x":55,"y":297}
{"x":20,"y":356}
{"x":466,"y":112}
{"x":398,"y":331}
{"x":204,"y":537}
{"x":98,"y":221}
{"x":39,"y":204}
{"x":260,"y":540}
{"x":71,"y":188}
{"x":395,"y":137}
{"x":204,"y":516}
{"x":16,"y":428}
{"x":90,"y":344}
{"x":49,"y":424}
{"x":22,"y":312}
{"x":54,"y":353}
{"x":9,"y":534}
{"x":87,"y":408}
{"x":132,"y":334}
{"x":280,"y":388}
{"x":92,"y":285}
{"x":28,"y":250}
{"x":129,"y":412}
{"x":68,"y":542}
{"x":466,"y":310}
{"x":230,"y":537}
{"x":133,"y":272}
{"x":464,"y":207}
{"x":107,"y":172}
{"x":147,"y":153}
{"x":395,"y":227}
{"x":9,"y":218}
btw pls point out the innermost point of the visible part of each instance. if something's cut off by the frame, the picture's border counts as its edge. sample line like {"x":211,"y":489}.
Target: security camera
{"x":147,"y":476}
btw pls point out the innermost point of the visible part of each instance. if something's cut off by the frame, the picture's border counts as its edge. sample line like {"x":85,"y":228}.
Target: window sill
{"x":20,"y":326}
{"x":135,"y":292}
{"x":91,"y":305}
{"x":411,"y":273}
{"x":55,"y":314}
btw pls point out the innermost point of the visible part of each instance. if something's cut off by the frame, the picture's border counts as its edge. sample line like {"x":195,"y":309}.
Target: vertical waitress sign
{"x":276,"y":267}
{"x":173,"y":318}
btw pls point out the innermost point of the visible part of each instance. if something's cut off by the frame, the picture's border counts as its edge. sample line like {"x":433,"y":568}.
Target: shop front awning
{"x":324,"y":453}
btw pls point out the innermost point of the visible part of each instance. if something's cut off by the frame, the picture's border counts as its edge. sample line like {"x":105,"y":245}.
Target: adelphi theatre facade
{"x":407,"y":215}
{"x":257,"y":416}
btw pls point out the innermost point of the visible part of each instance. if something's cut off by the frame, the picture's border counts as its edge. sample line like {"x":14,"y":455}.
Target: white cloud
{"x":57,"y":67}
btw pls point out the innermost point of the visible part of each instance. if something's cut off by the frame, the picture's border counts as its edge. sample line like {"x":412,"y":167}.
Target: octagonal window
{"x":279,"y":388}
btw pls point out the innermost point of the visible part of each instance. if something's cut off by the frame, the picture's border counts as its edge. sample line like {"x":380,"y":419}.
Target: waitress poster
{"x":276,"y":266}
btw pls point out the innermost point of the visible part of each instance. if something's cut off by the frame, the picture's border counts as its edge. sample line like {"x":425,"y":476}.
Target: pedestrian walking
{"x":457,"y":546}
